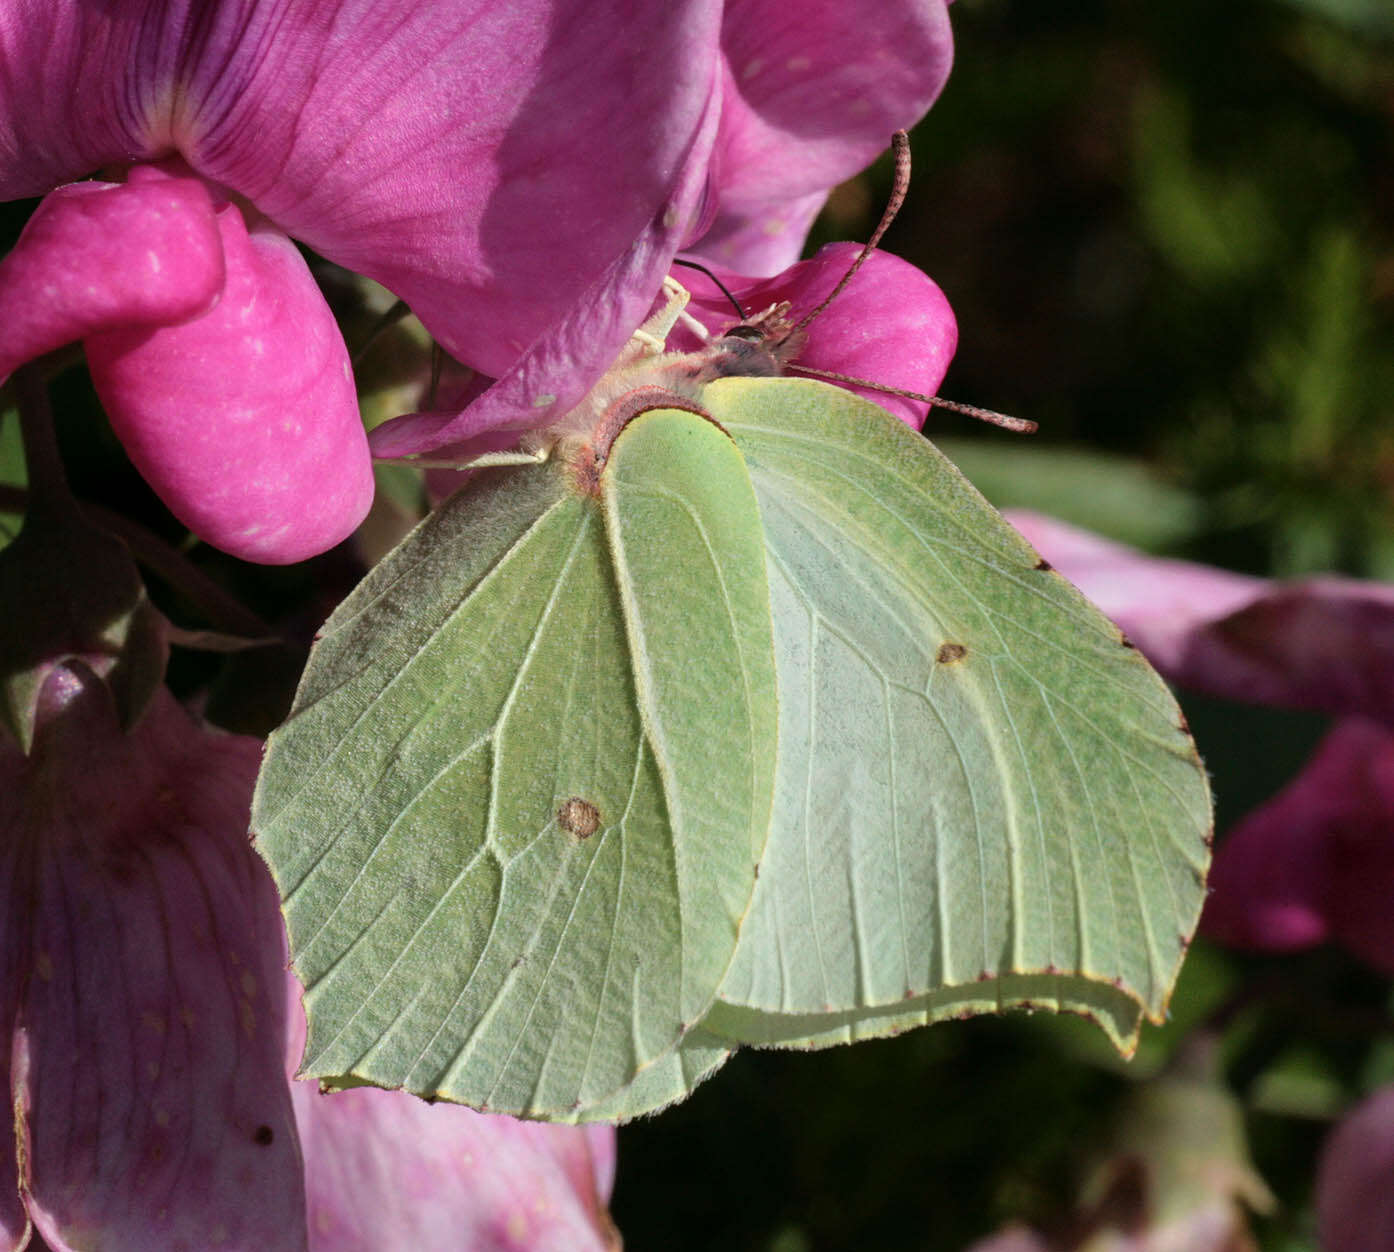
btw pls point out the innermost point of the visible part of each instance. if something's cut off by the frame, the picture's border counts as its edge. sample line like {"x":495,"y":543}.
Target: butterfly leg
{"x":651,"y":338}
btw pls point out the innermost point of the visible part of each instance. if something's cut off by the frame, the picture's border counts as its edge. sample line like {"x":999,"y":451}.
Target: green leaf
{"x":985,"y":797}
{"x":516,"y":813}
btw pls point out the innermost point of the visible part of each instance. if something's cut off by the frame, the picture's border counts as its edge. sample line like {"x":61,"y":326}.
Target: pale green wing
{"x":985,"y":798}
{"x":513,"y":851}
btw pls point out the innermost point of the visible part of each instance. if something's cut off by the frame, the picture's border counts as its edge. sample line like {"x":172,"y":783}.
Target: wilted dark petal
{"x":891,"y":324}
{"x":1355,"y":1203}
{"x":1321,"y":643}
{"x":148,"y":1038}
{"x":98,"y":255}
{"x":1317,"y":861}
{"x":811,"y":94}
{"x":245,"y":420}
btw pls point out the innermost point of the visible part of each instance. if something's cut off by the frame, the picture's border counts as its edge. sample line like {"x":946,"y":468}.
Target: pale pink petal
{"x":385,"y":1169}
{"x":1355,"y":1201}
{"x":487,"y":162}
{"x":245,"y":420}
{"x":1317,"y":861}
{"x":812,"y":93}
{"x":1319,"y":643}
{"x":148,"y":1042}
{"x":891,"y":324}
{"x":98,"y":255}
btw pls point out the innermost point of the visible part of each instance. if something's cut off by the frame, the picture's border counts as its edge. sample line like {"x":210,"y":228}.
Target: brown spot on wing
{"x":578,"y":817}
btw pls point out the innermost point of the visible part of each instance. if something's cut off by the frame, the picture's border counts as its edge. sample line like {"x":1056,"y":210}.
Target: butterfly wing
{"x":985,"y":797}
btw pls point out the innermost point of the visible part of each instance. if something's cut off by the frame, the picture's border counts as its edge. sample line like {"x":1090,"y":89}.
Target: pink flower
{"x":1316,"y":862}
{"x":1355,"y":1203}
{"x":519,"y":173}
{"x":802,"y":99}
{"x":145,"y":999}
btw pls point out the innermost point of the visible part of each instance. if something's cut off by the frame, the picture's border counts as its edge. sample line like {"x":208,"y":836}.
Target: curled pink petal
{"x":1319,"y":643}
{"x":245,"y":420}
{"x":147,"y":1034}
{"x":98,"y":255}
{"x":891,"y":324}
{"x":1317,"y":861}
{"x":1355,"y":1203}
{"x":812,"y":94}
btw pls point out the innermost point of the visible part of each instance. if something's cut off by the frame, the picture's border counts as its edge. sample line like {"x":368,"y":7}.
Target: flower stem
{"x":48,"y":480}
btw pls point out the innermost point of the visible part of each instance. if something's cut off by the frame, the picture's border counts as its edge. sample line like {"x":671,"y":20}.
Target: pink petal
{"x":1316,"y":861}
{"x":1321,"y":643}
{"x":149,"y":1039}
{"x":384,"y":1169}
{"x":557,"y":370}
{"x":490,"y":163}
{"x":97,"y":255}
{"x":890,"y":325}
{"x":245,"y":420}
{"x":812,"y":93}
{"x":1355,"y":1203}
{"x":765,"y":238}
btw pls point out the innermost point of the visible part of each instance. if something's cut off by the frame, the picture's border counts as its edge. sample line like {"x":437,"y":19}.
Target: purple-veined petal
{"x":811,"y":95}
{"x":148,"y":1038}
{"x":1317,"y":861}
{"x":385,"y":1169}
{"x":891,"y":324}
{"x":1355,"y":1203}
{"x":98,"y":255}
{"x":245,"y":420}
{"x":1319,"y":643}
{"x":487,"y":162}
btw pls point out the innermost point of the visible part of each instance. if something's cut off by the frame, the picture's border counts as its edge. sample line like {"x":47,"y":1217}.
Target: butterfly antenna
{"x":725,"y":290}
{"x":1021,"y":425}
{"x":900,"y":145}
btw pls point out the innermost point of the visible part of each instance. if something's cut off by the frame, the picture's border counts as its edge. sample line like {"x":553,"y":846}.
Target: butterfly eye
{"x":752,"y":334}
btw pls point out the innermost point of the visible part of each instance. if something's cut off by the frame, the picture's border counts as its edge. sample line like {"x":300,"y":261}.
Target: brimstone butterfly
{"x":740,"y":719}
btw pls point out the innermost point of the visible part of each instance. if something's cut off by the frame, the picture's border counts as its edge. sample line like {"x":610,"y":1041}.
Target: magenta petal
{"x":1316,"y":861}
{"x":245,"y":420}
{"x":811,"y":95}
{"x":1321,"y":643}
{"x":556,"y":371}
{"x":1355,"y":1203}
{"x":384,"y":1169}
{"x":763,"y":239}
{"x":98,"y":255}
{"x":891,"y":324}
{"x":149,"y":1040}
